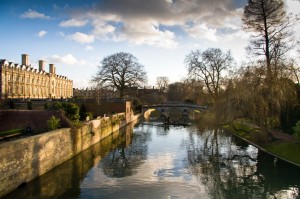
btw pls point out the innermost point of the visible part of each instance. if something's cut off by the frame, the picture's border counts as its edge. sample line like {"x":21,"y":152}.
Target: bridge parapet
{"x":195,"y":106}
{"x":164,"y":108}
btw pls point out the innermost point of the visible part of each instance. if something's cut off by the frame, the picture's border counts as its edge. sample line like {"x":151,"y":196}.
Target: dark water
{"x":150,"y":161}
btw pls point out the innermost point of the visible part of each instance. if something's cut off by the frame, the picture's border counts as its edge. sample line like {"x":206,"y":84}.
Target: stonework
{"x":25,"y":159}
{"x":24,"y":82}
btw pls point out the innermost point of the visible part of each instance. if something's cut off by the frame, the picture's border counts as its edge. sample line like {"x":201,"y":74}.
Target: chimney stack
{"x":41,"y":65}
{"x":52,"y":68}
{"x":25,"y":59}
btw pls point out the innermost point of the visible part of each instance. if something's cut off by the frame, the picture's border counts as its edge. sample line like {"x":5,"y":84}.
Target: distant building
{"x":94,"y":94}
{"x":24,"y":82}
{"x":147,"y":95}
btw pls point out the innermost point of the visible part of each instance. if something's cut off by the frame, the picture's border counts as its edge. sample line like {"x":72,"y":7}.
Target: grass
{"x":10,"y":132}
{"x":287,"y":150}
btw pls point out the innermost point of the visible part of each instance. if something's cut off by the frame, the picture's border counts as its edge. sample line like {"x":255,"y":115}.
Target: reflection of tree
{"x":124,"y":160}
{"x":224,"y":169}
{"x":236,"y":171}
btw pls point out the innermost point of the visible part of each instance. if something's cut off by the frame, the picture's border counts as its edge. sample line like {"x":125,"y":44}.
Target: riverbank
{"x":25,"y":159}
{"x":280,"y":145}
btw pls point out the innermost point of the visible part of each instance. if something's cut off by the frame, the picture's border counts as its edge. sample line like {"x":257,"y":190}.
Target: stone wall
{"x":59,"y":182}
{"x":25,"y":159}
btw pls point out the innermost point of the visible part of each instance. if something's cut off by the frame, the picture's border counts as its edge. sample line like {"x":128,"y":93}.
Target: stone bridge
{"x":166,"y":110}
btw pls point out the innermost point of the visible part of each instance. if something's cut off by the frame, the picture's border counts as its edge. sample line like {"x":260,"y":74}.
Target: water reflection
{"x":154,"y":162}
{"x":230,"y":168}
{"x":126,"y":157}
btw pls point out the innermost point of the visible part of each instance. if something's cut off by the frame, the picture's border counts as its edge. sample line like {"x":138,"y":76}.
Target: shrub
{"x":71,"y":111}
{"x":53,"y":123}
{"x":296,"y":129}
{"x":56,"y":106}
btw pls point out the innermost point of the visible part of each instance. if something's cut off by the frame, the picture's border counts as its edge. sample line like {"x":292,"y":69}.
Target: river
{"x":153,"y":161}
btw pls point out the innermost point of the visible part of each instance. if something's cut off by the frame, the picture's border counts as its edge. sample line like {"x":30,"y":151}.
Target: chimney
{"x":51,"y":68}
{"x":41,"y":65}
{"x":25,"y":59}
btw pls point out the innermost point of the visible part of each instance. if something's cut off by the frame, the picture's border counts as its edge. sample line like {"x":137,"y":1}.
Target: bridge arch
{"x":167,"y":110}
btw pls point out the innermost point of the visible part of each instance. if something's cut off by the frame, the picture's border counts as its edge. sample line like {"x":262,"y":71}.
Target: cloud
{"x":140,"y":22}
{"x":201,"y":31}
{"x":68,"y":59}
{"x":102,"y":30}
{"x":81,"y":38}
{"x":149,"y":35}
{"x":73,"y":23}
{"x":32,"y":14}
{"x":42,"y":33}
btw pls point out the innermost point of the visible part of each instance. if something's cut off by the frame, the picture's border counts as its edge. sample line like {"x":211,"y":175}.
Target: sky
{"x":76,"y":35}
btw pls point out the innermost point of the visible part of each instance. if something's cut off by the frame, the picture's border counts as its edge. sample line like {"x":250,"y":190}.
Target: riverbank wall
{"x":25,"y":159}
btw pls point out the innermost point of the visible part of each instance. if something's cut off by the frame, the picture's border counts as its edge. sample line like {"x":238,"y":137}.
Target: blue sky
{"x":76,"y":35}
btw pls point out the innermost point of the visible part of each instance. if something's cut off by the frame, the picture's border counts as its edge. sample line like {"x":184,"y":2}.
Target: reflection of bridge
{"x":165,"y":110}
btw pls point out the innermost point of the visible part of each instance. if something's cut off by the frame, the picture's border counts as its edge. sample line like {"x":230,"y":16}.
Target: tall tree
{"x":209,"y":66}
{"x":119,"y":71}
{"x":162,"y":83}
{"x":271,"y":27}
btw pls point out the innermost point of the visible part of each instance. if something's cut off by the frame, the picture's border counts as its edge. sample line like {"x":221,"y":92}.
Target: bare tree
{"x":119,"y":71}
{"x":176,"y":92}
{"x":162,"y":83}
{"x":209,"y":66}
{"x":272,"y":32}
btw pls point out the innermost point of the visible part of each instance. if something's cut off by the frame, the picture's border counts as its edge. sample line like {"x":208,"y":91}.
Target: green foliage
{"x":71,"y":110}
{"x":287,"y":150}
{"x":10,"y":132}
{"x":53,"y":123}
{"x":296,"y":129}
{"x":241,"y":126}
{"x":244,"y":128}
{"x":56,"y":106}
{"x":90,"y":115}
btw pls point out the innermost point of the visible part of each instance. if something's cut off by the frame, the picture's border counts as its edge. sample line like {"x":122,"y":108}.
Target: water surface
{"x":152,"y":161}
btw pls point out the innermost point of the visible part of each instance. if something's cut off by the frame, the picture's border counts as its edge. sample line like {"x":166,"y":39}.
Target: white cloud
{"x":32,"y":14}
{"x":73,"y":23}
{"x":89,"y":48}
{"x":150,"y":22}
{"x":68,"y":59}
{"x":201,"y":31}
{"x":102,"y":31}
{"x":81,"y":38}
{"x":148,"y":34}
{"x":42,"y":33}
